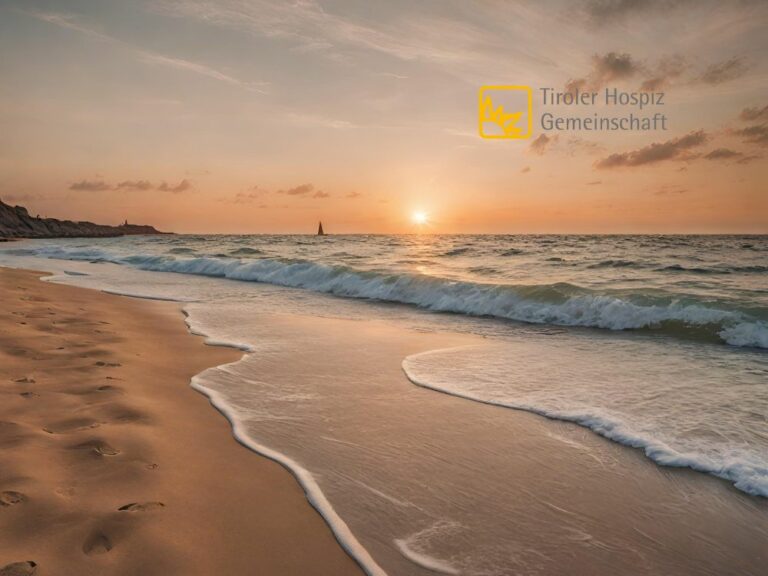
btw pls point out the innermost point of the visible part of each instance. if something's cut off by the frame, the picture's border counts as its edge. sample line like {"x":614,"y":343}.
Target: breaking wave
{"x":560,"y":304}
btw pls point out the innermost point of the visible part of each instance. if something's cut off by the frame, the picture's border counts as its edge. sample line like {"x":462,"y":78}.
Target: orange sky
{"x":256,"y":116}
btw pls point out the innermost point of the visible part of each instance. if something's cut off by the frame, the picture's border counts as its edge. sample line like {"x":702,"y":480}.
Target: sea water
{"x":656,"y":342}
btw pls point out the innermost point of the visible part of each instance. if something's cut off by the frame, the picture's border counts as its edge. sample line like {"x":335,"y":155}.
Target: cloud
{"x":133,"y":185}
{"x":525,"y":170}
{"x":722,"y":154}
{"x":243,"y":197}
{"x":90,"y":186}
{"x":752,"y":114}
{"x":354,"y":195}
{"x":668,"y":190}
{"x":676,"y":148}
{"x":749,"y":158}
{"x":615,"y":67}
{"x":757,"y":134}
{"x":668,"y":69}
{"x":608,"y":68}
{"x":197,"y":68}
{"x":724,"y":71}
{"x":71,"y":22}
{"x":577,"y":145}
{"x":321,"y":194}
{"x":541,"y":143}
{"x":595,"y":183}
{"x":601,"y":12}
{"x":318,"y":120}
{"x":300,"y":190}
{"x":314,"y":28}
{"x":182,"y":186}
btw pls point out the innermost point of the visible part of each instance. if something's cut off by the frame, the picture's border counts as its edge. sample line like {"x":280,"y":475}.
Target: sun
{"x":419,"y":217}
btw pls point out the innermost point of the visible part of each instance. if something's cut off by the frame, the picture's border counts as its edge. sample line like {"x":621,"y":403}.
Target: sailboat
{"x":320,"y":230}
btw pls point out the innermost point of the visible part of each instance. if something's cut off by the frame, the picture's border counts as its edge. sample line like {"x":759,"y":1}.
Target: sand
{"x":554,"y":496}
{"x":111,"y":464}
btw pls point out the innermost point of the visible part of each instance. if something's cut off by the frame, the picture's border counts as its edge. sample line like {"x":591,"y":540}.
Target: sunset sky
{"x":248,"y":116}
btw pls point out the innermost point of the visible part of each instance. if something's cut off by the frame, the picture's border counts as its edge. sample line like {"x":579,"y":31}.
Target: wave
{"x":747,"y":474}
{"x":457,"y":251}
{"x":718,"y":270}
{"x":560,"y":304}
{"x":245,"y":251}
{"x":202,"y":383}
{"x":616,"y":264}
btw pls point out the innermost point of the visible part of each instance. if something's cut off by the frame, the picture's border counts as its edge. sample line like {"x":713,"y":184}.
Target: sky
{"x":259,"y":116}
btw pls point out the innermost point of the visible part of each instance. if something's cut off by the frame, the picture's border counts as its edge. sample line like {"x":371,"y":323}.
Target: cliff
{"x":15,"y":222}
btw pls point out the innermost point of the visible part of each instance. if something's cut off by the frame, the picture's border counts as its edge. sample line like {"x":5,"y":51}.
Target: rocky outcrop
{"x":15,"y":222}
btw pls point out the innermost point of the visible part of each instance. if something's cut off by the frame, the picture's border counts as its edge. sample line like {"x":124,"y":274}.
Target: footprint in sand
{"x":141,"y":506}
{"x":19,"y":569}
{"x":96,"y":543}
{"x":25,"y":380}
{"x":107,"y":364}
{"x":9,"y":498}
{"x":99,"y":447}
{"x":71,"y":425}
{"x":29,"y":394}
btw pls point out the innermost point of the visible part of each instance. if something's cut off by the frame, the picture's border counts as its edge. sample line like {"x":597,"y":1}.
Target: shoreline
{"x":112,"y":463}
{"x":580,"y":489}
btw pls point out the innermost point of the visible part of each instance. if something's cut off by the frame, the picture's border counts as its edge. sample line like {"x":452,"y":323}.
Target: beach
{"x":399,"y":438}
{"x":112,"y":464}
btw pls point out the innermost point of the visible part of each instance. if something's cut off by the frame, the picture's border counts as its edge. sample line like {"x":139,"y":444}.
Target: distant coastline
{"x":16,"y":222}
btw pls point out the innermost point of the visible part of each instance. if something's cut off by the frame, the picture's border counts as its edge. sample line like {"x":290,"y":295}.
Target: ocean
{"x":654,"y":342}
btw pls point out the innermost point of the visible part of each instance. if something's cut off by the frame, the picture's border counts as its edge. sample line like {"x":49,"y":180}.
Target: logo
{"x":505,"y":112}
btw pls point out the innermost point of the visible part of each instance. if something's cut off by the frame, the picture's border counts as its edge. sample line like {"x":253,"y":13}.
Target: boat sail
{"x":320,"y":231}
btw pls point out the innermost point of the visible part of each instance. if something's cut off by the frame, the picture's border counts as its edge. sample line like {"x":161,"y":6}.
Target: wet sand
{"x":111,"y":464}
{"x":97,"y":415}
{"x":500,"y":491}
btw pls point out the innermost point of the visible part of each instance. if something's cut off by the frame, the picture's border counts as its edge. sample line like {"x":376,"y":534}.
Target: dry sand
{"x":111,"y":464}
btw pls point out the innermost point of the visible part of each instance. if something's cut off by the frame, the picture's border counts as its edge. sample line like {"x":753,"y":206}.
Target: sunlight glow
{"x":419,"y":217}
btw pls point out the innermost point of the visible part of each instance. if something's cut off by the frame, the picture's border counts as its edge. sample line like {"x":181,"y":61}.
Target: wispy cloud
{"x":134,"y":185}
{"x":615,"y":67}
{"x":669,"y":69}
{"x":757,"y":134}
{"x":752,"y":114}
{"x":309,"y":27}
{"x":542,"y":143}
{"x":722,"y":154}
{"x":318,"y":120}
{"x":126,"y":185}
{"x":669,"y":190}
{"x":72,"y":22}
{"x":728,"y":155}
{"x":90,"y":186}
{"x":725,"y":71}
{"x":603,"y":12}
{"x":676,"y":148}
{"x":607,"y":68}
{"x":182,"y":186}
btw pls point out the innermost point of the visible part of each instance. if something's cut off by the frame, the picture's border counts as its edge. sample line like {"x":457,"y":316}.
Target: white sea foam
{"x":560,"y":304}
{"x":650,"y":407}
{"x":308,"y":424}
{"x":412,"y":548}
{"x":314,"y":494}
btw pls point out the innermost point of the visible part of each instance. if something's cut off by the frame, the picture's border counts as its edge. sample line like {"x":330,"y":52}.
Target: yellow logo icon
{"x":494,"y":121}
